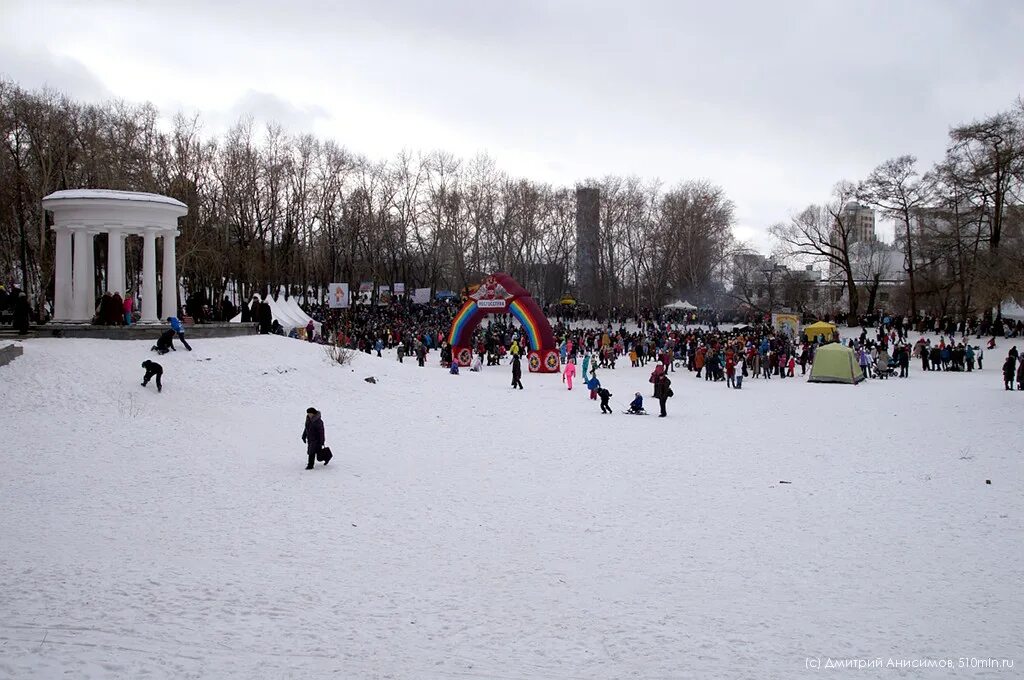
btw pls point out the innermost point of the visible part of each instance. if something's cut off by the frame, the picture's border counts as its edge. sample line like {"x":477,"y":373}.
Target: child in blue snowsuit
{"x":177,"y":328}
{"x":637,"y":405}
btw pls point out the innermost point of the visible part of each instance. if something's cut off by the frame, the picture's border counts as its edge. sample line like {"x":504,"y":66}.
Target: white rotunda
{"x":81,"y":214}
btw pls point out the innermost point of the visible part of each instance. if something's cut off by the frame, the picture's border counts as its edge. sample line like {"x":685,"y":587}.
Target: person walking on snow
{"x":605,"y":396}
{"x":569,"y":373}
{"x":179,"y":330}
{"x":313,"y":436}
{"x":153,"y":370}
{"x":517,"y":372}
{"x":1009,"y":367}
{"x":662,"y":391}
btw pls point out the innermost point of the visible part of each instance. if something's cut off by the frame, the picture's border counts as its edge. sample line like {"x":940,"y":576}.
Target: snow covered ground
{"x":464,"y":530}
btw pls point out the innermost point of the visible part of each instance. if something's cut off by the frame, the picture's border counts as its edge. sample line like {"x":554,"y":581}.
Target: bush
{"x":340,"y":355}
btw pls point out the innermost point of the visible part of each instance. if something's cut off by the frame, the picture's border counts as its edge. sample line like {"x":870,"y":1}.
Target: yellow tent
{"x":567,"y":301}
{"x":820,"y":328}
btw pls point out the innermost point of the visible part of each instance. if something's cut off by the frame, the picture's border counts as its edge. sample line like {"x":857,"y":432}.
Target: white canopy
{"x":680,"y":304}
{"x":1011,"y":310}
{"x":286,"y":312}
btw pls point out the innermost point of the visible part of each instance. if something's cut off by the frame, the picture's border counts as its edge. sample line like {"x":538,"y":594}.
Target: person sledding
{"x":636,"y":407}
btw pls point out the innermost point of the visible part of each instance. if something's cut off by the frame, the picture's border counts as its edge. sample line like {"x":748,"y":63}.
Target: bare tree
{"x":824,"y":234}
{"x":895,"y":188}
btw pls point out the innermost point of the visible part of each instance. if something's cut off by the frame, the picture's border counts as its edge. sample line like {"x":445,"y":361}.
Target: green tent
{"x":835,"y":363}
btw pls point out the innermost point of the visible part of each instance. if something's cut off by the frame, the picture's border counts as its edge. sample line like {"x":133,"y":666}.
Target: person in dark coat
{"x":662,"y":391}
{"x":1009,"y":368}
{"x":313,"y":436}
{"x":22,"y":312}
{"x":227,"y":309}
{"x":117,"y":310}
{"x":517,"y":372}
{"x":266,"y":317}
{"x":153,"y":369}
{"x":165,"y":343}
{"x":605,"y":396}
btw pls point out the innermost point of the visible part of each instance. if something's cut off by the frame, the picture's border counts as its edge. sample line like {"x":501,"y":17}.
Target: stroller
{"x":886,"y":369}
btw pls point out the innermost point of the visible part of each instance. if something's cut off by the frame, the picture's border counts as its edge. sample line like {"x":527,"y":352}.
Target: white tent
{"x":285,"y":312}
{"x":1011,"y":310}
{"x":680,"y":304}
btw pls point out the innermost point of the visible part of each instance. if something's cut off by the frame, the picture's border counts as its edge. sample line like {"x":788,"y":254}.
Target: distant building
{"x":860,"y":223}
{"x":588,"y":242}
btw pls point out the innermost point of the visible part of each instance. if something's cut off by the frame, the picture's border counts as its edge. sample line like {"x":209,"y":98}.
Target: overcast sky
{"x":775,"y":101}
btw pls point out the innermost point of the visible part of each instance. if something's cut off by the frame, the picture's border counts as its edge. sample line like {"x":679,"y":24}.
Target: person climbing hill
{"x":153,"y":370}
{"x":179,"y":330}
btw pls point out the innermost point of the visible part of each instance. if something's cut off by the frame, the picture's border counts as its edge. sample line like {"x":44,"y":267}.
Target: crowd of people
{"x":677,"y":343}
{"x":15,"y":305}
{"x":676,"y":339}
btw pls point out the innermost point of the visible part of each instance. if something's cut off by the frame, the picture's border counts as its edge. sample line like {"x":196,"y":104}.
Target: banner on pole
{"x":384,"y":294}
{"x":365,"y":293}
{"x":421,"y":296}
{"x":337,"y":295}
{"x":399,"y":289}
{"x":786,"y":324}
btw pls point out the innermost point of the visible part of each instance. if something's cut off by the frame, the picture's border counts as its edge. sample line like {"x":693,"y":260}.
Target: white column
{"x":90,"y":289}
{"x":115,"y":260}
{"x":170,"y":275}
{"x":80,"y":305}
{"x":63,"y":300}
{"x":149,"y":276}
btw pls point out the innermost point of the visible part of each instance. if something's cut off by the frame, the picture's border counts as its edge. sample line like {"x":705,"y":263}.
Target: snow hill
{"x":464,"y":530}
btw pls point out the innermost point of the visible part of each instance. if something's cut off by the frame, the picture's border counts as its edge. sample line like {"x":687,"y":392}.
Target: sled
{"x":636,"y":413}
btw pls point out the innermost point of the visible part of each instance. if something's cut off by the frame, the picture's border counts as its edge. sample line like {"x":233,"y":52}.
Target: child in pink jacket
{"x":569,"y":373}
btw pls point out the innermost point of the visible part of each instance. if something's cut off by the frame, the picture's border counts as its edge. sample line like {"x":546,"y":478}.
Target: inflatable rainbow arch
{"x":501,"y":294}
